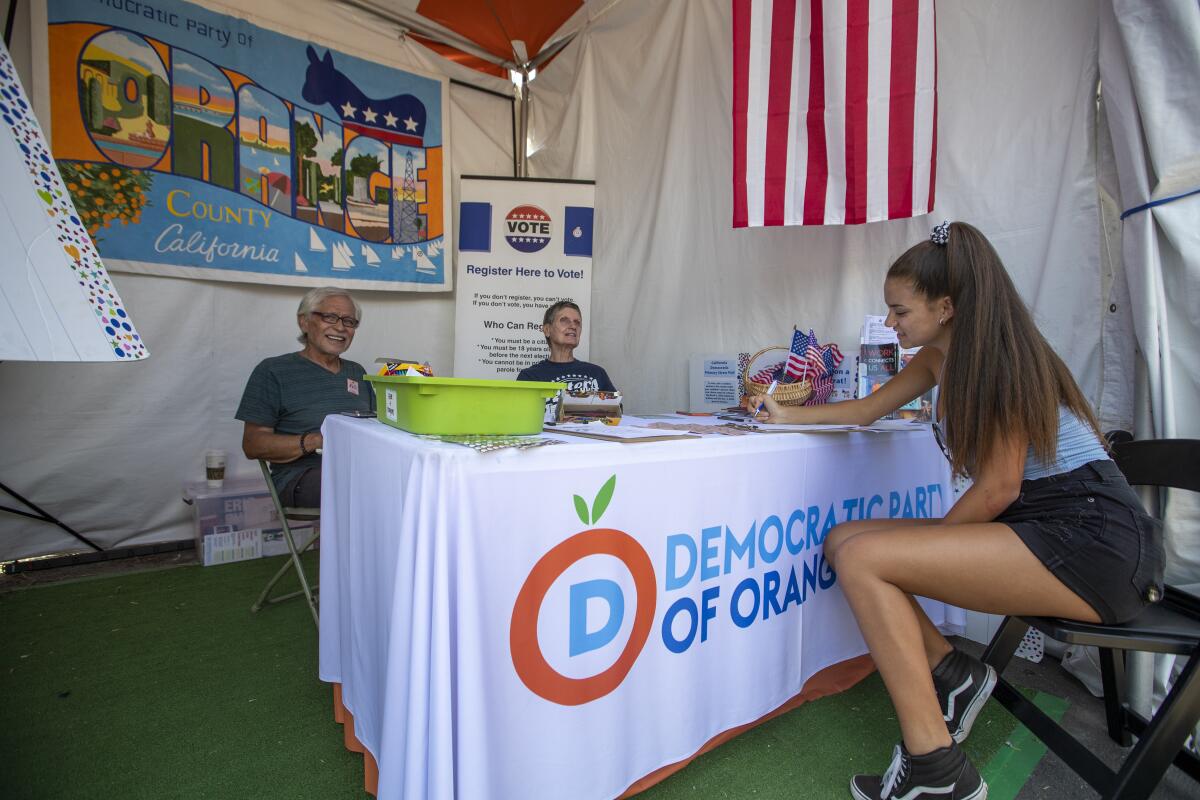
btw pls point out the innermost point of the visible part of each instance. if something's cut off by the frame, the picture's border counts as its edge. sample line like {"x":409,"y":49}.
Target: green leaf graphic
{"x":581,"y":509}
{"x":603,"y":497}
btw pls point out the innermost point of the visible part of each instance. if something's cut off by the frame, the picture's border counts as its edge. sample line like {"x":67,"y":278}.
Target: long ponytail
{"x":1000,"y":376}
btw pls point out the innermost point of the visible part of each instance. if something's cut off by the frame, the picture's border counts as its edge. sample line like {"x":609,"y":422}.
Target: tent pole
{"x":523,"y":128}
{"x":44,"y":517}
{"x":8,"y":24}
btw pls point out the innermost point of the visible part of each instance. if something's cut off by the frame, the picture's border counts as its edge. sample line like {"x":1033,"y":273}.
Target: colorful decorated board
{"x":60,"y":304}
{"x":199,"y":142}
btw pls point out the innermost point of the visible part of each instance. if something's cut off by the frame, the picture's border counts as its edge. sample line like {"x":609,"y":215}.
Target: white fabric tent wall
{"x":640,"y":101}
{"x":1154,"y":115}
{"x":1146,"y":50}
{"x":1154,"y":118}
{"x":107,"y":448}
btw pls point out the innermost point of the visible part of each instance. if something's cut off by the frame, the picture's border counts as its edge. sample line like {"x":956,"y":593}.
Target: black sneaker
{"x":945,"y":774}
{"x":963,"y":685}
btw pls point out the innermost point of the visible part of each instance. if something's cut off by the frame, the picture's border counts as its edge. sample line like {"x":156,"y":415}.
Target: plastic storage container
{"x":237,"y":521}
{"x":463,"y":406}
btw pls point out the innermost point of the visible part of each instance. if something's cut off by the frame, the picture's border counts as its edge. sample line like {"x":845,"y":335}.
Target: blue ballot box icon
{"x":475,"y":227}
{"x":577,"y":240}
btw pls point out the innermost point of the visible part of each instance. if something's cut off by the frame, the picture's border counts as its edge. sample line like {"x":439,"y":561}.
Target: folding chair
{"x":292,"y":560}
{"x":1170,"y":626}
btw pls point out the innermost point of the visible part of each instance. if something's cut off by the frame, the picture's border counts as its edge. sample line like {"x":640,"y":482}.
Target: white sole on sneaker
{"x":977,"y":702}
{"x":979,"y":794}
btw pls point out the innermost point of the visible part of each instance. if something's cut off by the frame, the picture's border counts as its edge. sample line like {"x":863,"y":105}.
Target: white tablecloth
{"x":490,"y":644}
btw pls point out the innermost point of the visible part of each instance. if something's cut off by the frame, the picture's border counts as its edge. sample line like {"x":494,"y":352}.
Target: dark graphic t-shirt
{"x":579,"y":376}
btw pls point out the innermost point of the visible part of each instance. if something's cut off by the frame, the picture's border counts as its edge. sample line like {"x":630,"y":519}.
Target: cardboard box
{"x":230,"y":546}
{"x":237,"y":521}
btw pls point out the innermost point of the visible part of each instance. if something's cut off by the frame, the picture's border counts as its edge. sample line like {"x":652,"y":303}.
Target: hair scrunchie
{"x":940,"y":233}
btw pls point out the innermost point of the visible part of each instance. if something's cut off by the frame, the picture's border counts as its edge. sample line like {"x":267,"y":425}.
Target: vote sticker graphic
{"x":558,"y":650}
{"x":528,"y":229}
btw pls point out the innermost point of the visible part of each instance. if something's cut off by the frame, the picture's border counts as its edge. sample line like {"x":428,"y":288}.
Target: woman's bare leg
{"x":982,"y":566}
{"x":936,"y":645}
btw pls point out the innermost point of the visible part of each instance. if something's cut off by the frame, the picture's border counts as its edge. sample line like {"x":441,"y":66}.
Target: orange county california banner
{"x":199,"y":144}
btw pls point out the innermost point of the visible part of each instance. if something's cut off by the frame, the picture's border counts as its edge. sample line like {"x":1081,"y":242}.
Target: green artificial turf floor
{"x":163,"y":685}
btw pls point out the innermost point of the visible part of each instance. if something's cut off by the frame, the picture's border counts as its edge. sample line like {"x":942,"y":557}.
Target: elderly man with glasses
{"x":288,"y":397}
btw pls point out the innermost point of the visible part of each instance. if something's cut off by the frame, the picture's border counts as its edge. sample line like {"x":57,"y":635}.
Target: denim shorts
{"x":1090,"y":530}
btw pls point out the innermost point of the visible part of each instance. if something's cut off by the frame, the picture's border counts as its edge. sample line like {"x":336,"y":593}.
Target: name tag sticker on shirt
{"x":352,"y":386}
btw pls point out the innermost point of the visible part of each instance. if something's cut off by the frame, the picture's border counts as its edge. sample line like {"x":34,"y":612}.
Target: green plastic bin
{"x":464,"y":406}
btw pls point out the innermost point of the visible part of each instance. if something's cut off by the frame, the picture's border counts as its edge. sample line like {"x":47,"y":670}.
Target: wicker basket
{"x":786,"y":394}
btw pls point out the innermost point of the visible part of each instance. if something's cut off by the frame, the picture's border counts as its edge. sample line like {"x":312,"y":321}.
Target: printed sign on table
{"x":522,"y":246}
{"x":197,"y":143}
{"x":715,"y":380}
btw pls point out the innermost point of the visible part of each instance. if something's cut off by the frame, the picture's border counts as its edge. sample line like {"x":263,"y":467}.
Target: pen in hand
{"x":761,"y":403}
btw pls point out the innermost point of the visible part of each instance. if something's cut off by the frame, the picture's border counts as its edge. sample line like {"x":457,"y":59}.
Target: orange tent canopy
{"x":482,"y":32}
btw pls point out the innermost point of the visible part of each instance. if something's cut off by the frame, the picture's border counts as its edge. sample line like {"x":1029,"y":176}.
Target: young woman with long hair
{"x":1048,"y":527}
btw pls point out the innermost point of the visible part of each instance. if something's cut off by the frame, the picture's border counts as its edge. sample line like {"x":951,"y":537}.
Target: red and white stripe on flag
{"x":834,"y":111}
{"x":795,"y":366}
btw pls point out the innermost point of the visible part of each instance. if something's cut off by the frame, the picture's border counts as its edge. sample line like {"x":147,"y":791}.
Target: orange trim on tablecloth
{"x":831,"y":680}
{"x":348,"y":738}
{"x":370,"y":774}
{"x":343,"y":717}
{"x":339,"y":710}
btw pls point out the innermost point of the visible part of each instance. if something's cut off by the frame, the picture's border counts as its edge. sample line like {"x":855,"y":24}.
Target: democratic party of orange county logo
{"x":729,"y":576}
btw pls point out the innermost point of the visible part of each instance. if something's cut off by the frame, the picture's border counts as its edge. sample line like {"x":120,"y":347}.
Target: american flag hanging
{"x":834,"y":111}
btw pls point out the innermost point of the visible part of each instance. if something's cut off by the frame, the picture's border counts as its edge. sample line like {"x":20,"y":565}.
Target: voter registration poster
{"x":523,"y":245}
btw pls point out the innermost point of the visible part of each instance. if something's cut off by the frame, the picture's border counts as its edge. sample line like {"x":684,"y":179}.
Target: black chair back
{"x":1171,"y":626}
{"x":1168,"y":463}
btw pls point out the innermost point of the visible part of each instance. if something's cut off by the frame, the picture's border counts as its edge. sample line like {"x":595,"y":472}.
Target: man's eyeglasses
{"x":332,"y":319}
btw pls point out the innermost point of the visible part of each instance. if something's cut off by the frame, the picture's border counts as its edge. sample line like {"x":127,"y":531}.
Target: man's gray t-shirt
{"x":292,"y":395}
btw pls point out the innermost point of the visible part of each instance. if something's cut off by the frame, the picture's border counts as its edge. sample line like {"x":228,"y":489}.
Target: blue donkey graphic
{"x":399,"y":119}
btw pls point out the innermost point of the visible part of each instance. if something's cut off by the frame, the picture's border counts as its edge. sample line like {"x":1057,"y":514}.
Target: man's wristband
{"x":304,"y":451}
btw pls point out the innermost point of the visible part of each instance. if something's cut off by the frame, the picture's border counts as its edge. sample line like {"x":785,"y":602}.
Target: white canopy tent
{"x":640,"y":101}
{"x":1154,"y":119}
